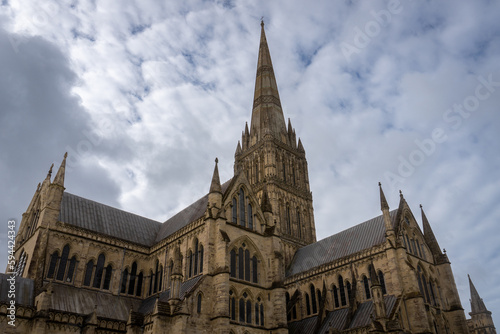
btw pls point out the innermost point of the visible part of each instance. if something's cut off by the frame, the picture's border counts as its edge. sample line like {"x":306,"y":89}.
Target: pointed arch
{"x":367,"y":287}
{"x":241,"y":200}
{"x":52,"y":264}
{"x":140,"y":278}
{"x":308,"y":304}
{"x":88,"y":273}
{"x":62,"y":263}
{"x":71,"y":269}
{"x":98,"y":271}
{"x":335,"y":296}
{"x":107,"y":277}
{"x":198,"y":303}
{"x":382,"y":281}
{"x":342,"y":291}
{"x":124,"y":281}
{"x":314,"y":306}
{"x":133,"y":273}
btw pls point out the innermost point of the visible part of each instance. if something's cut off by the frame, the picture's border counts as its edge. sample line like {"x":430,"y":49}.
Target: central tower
{"x":273,"y":160}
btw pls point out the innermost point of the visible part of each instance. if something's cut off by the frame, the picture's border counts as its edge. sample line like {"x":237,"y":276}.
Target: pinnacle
{"x":215,"y":185}
{"x":383,"y":201}
{"x":59,"y":179}
{"x":476,"y":302}
{"x":429,"y":236}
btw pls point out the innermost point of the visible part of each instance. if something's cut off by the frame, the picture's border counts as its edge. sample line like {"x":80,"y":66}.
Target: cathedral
{"x":242,"y":259}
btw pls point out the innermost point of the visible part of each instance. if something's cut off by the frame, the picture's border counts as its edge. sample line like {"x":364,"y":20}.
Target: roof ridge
{"x":111,"y":207}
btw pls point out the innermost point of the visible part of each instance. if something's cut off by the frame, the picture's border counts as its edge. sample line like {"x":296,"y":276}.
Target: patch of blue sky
{"x":139,"y":28}
{"x":80,"y":35}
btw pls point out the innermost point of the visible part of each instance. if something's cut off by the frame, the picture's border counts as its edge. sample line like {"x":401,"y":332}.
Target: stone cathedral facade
{"x":242,"y":259}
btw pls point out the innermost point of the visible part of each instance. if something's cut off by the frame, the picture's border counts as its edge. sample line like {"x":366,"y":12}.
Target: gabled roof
{"x":338,"y":318}
{"x":186,"y":216}
{"x":71,"y":299}
{"x":347,"y":242}
{"x":100,"y":218}
{"x":186,"y":288}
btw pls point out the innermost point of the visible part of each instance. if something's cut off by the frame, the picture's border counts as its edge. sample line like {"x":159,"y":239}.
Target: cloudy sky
{"x":145,"y":94}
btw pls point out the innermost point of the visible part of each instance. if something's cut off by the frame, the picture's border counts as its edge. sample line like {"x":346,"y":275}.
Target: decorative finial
{"x":50,"y":170}
{"x":444,"y":250}
{"x":216,"y":160}
{"x":380,"y":184}
{"x":421,"y":206}
{"x":262,"y":21}
{"x":65,"y":155}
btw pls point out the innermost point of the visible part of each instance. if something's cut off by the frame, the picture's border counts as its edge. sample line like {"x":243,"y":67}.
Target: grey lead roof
{"x":83,"y":301}
{"x":107,"y":220}
{"x":347,"y":242}
{"x":100,"y":218}
{"x":186,"y":216}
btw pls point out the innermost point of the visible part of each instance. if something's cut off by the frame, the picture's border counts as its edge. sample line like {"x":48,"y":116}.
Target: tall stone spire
{"x":267,"y":115}
{"x":476,"y":302}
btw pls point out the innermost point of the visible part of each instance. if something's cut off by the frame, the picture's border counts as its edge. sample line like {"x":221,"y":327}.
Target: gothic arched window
{"x":62,"y":263}
{"x":336,"y":296}
{"x":288,"y":222}
{"x":313,"y":299}
{"x":349,"y":290}
{"x":71,"y":269}
{"x":124,"y":281}
{"x":98,"y":271}
{"x":287,"y":302}
{"x":241,"y":271}
{"x":308,"y":305}
{"x":201,"y":258}
{"x":232,"y":263}
{"x":138,"y":290}
{"x":107,"y":277}
{"x":242,"y":206}
{"x":242,"y":310}
{"x":299,"y":224}
{"x":88,"y":273}
{"x":190,"y":263}
{"x":382,"y":281}
{"x":195,"y":268}
{"x":131,"y":284}
{"x":53,"y":263}
{"x":250,"y":217}
{"x":232,"y":305}
{"x":247,"y":265}
{"x":367,"y":287}
{"x":249,"y":312}
{"x":198,"y":305}
{"x":254,"y":270}
{"x":342,"y":291}
{"x":235,"y":211}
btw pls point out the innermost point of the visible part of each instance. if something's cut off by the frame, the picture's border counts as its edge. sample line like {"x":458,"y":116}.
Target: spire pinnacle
{"x":266,"y":204}
{"x":383,"y":201}
{"x":59,"y":179}
{"x":267,"y":115}
{"x":215,"y":185}
{"x":49,"y":174}
{"x":429,"y":236}
{"x":476,"y":302}
{"x":238,"y":149}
